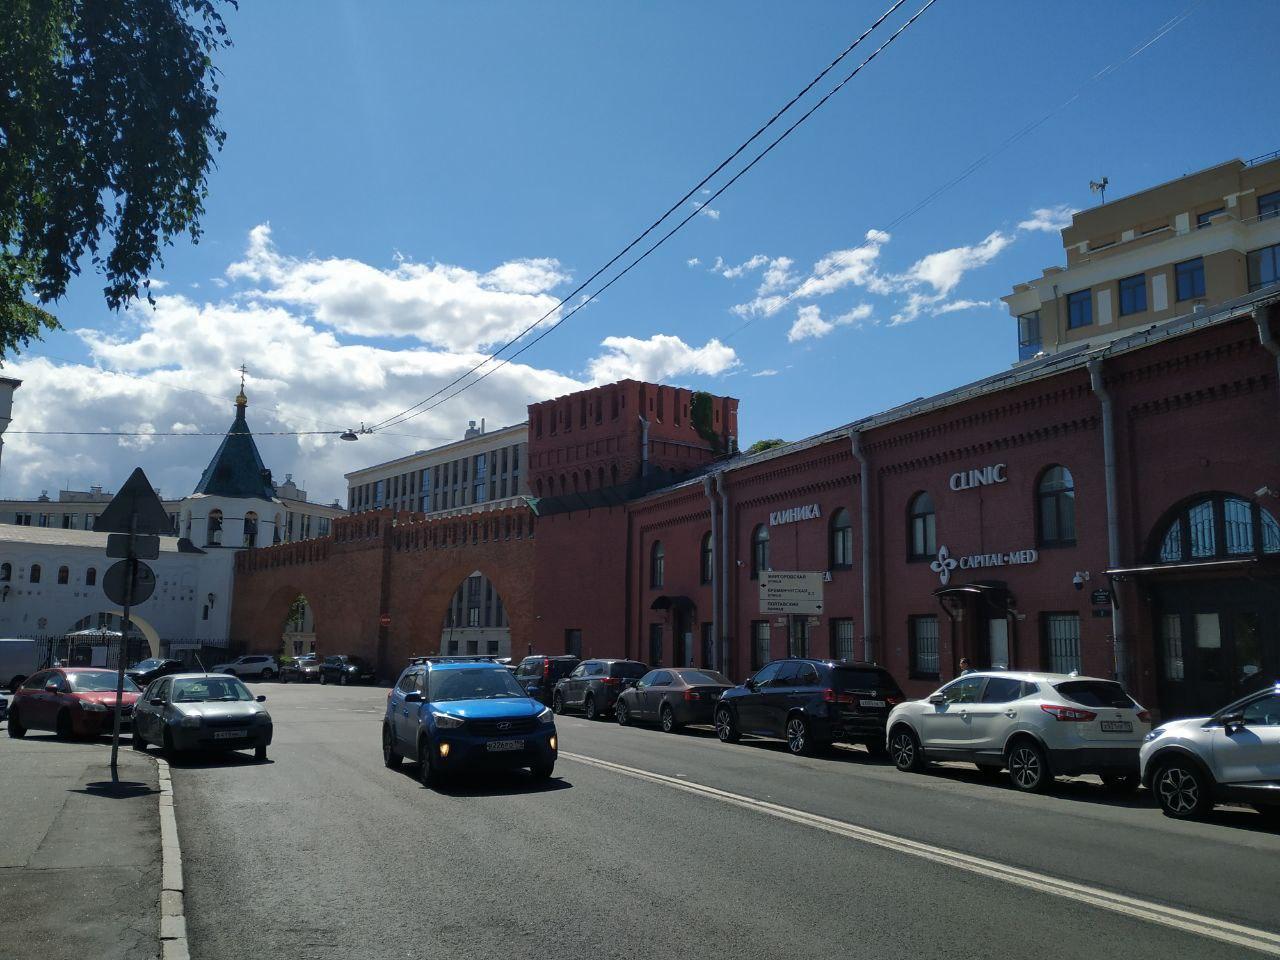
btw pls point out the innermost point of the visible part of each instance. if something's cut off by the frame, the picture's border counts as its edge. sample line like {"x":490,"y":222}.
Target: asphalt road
{"x":655,"y":845}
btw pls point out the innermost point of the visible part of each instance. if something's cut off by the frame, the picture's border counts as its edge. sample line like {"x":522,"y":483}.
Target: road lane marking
{"x":1235,"y":934}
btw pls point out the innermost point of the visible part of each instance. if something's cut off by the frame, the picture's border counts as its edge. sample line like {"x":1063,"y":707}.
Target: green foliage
{"x":297,"y":611}
{"x":700,"y":415}
{"x":107,"y":132}
{"x":761,"y":445}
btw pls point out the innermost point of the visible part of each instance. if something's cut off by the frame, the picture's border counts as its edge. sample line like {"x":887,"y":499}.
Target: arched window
{"x":923,"y":538}
{"x":613,"y":474}
{"x":213,"y":529}
{"x":34,"y":576}
{"x":706,"y":559}
{"x":1218,"y":526}
{"x":537,"y":484}
{"x":6,"y":572}
{"x":841,"y":540}
{"x":759,"y":551}
{"x":64,"y":575}
{"x":575,"y":481}
{"x":1056,"y":508}
{"x":91,"y":577}
{"x":250,"y":529}
{"x":657,"y":565}
{"x":600,"y":473}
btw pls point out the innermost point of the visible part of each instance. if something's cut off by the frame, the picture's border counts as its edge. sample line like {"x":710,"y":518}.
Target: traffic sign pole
{"x":124,"y":647}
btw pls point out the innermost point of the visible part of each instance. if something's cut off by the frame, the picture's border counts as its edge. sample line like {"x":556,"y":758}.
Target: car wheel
{"x":323,"y":681}
{"x":390,"y":759}
{"x":1028,"y":767}
{"x":167,"y":747}
{"x":1120,"y":783}
{"x":260,"y":753}
{"x":557,"y":703}
{"x":543,"y":771}
{"x":136,"y":740}
{"x":726,"y":726}
{"x":904,"y":749}
{"x":284,"y":677}
{"x":426,"y":766}
{"x":16,"y":729}
{"x":667,"y":717}
{"x":798,"y":739}
{"x":1181,"y":790}
{"x":62,"y":726}
{"x":342,"y":679}
{"x":589,"y":708}
{"x":622,"y":714}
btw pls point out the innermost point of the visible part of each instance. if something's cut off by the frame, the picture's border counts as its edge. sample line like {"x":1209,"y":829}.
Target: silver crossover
{"x":201,"y":711}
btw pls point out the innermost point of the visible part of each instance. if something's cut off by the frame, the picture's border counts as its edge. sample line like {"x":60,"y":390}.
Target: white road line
{"x":1262,"y":941}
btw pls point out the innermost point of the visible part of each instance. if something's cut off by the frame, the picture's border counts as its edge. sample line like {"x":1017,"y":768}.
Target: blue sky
{"x":403,"y":182}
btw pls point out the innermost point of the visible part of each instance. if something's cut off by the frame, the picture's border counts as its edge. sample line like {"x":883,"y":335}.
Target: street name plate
{"x":791,"y":592}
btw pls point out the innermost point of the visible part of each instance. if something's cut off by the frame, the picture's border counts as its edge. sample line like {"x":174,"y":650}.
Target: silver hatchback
{"x":201,"y":711}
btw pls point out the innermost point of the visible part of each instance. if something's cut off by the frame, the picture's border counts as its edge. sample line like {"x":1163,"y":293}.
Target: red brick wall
{"x":580,"y":581}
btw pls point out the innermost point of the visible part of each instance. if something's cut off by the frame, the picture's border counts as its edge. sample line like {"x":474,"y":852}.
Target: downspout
{"x":1266,"y":338}
{"x":644,"y":448}
{"x":708,"y":487}
{"x":725,"y":586}
{"x":1113,"y":522}
{"x":868,"y":621}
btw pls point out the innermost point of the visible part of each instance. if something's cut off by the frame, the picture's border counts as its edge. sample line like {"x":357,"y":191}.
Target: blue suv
{"x":450,"y":713}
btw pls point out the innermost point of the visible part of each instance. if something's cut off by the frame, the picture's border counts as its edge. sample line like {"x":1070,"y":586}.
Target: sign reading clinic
{"x":810,"y":511}
{"x":945,"y":563}
{"x":980,"y":477}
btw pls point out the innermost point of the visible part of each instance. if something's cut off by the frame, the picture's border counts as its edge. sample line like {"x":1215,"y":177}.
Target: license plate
{"x":1117,"y":726}
{"x":871,"y":703}
{"x":501,"y":746}
{"x":230,"y":734}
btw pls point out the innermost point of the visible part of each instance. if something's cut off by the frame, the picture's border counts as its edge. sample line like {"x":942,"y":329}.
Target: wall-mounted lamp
{"x":1080,"y":579}
{"x":1266,"y":491}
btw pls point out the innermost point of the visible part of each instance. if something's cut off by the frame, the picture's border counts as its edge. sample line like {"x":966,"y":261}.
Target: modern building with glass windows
{"x":1205,"y":238}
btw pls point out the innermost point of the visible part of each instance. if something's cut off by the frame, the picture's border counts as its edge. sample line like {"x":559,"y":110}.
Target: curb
{"x":173,"y":918}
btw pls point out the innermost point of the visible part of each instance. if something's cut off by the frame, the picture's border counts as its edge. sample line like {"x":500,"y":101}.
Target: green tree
{"x":761,"y":445}
{"x":107,"y":132}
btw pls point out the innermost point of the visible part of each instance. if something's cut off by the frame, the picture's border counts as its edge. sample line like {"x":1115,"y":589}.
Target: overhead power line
{"x":426,"y":406}
{"x":653,"y":226}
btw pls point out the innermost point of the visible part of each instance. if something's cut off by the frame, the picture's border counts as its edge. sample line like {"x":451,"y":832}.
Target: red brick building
{"x":1110,"y":509}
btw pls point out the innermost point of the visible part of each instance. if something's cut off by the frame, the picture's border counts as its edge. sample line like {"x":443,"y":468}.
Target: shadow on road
{"x":203,"y":760}
{"x":490,"y":783}
{"x":124,"y":790}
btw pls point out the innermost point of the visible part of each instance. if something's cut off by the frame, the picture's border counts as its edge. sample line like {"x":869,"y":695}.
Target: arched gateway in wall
{"x":381,"y":584}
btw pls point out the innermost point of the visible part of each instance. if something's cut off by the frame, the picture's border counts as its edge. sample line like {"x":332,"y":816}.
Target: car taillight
{"x":892,"y":701}
{"x":837,"y":696}
{"x":1068,"y":714}
{"x":610,"y":680}
{"x":690,"y":695}
{"x":546,"y":669}
{"x":1144,"y":716}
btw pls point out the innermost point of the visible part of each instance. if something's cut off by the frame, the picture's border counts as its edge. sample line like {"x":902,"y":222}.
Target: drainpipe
{"x":644,"y":448}
{"x":708,"y":488}
{"x":725,"y":586}
{"x":1266,"y":338}
{"x":1113,"y":522}
{"x":868,"y":622}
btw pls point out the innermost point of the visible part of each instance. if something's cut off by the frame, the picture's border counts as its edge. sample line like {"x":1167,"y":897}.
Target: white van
{"x":19,"y":659}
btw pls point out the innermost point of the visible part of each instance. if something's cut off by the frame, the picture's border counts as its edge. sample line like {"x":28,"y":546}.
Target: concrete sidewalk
{"x":79,"y":862}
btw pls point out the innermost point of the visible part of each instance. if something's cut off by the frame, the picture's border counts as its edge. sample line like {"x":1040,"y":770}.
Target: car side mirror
{"x":937,"y":698}
{"x":262,"y":698}
{"x":1233,"y":722}
{"x":413,"y":696}
{"x":156,"y":701}
{"x":750,"y":685}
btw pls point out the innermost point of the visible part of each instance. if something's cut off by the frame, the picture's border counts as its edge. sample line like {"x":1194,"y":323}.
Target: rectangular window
{"x":923,"y":637}
{"x":1062,"y":642}
{"x":1133,"y":295}
{"x":1264,"y":267}
{"x":759,"y":643}
{"x":1269,"y":205}
{"x":1190,"y":278}
{"x":1171,"y":630}
{"x":492,"y":648}
{"x":842,"y":639}
{"x":1029,"y":335}
{"x":1206,"y":219}
{"x":1079,"y":309}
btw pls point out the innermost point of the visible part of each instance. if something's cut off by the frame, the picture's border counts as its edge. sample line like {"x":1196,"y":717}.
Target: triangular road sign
{"x":136,"y":496}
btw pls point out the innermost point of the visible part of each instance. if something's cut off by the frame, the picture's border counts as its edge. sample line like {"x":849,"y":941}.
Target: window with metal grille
{"x":922,"y":633}
{"x":760,"y":643}
{"x":1062,"y":642}
{"x":657,"y":565}
{"x":759,"y":551}
{"x":842,"y":638}
{"x":1171,"y":634}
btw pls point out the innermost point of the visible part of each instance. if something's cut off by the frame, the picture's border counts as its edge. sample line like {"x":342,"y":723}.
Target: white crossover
{"x":1036,"y":725}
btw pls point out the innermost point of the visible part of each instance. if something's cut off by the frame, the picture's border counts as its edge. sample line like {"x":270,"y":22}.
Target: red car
{"x":71,"y":701}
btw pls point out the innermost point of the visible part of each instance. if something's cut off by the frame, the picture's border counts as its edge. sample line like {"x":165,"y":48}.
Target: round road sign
{"x":144,"y":582}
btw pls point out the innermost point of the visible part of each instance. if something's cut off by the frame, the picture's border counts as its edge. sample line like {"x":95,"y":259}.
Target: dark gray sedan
{"x":201,"y":711}
{"x":673,"y":697}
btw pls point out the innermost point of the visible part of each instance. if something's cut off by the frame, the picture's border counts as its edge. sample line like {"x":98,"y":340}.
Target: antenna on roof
{"x":1100,"y":187}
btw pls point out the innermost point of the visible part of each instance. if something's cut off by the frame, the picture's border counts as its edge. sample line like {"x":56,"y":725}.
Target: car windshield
{"x":198,"y":690}
{"x":704,"y":676}
{"x":863,"y":678}
{"x":1096,"y":693}
{"x":98,"y":681}
{"x":487,"y":683}
{"x":146,"y":665}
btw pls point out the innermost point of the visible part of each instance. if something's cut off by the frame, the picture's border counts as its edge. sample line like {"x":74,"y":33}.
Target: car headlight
{"x":447,"y":721}
{"x":92,"y":706}
{"x":1157,"y":732}
{"x":190,"y":721}
{"x":547,"y":716}
{"x":262,"y":717}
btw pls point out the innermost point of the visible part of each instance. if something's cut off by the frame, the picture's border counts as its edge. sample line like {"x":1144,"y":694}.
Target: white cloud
{"x":809,"y":324}
{"x":706,"y":211}
{"x":692,"y":262}
{"x":946,"y":268}
{"x":1049,"y":219}
{"x":957,"y":305}
{"x":660,"y":357}
{"x":438,"y":304}
{"x":767,"y":372}
{"x":732,"y":273}
{"x":777,"y":275}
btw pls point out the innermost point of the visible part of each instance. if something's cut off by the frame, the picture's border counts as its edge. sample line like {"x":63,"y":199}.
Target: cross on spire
{"x":241,"y":399}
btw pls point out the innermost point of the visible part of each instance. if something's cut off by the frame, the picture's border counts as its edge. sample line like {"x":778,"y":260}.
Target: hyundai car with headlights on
{"x":202,"y":711}
{"x":451,"y":713}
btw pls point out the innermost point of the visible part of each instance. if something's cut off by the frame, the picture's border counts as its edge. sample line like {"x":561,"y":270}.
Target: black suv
{"x":539,"y":673}
{"x":811,"y":704}
{"x":594,"y":685}
{"x":344,"y":669}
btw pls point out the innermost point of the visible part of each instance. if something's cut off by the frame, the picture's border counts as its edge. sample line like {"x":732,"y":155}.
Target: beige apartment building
{"x":1167,"y":251}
